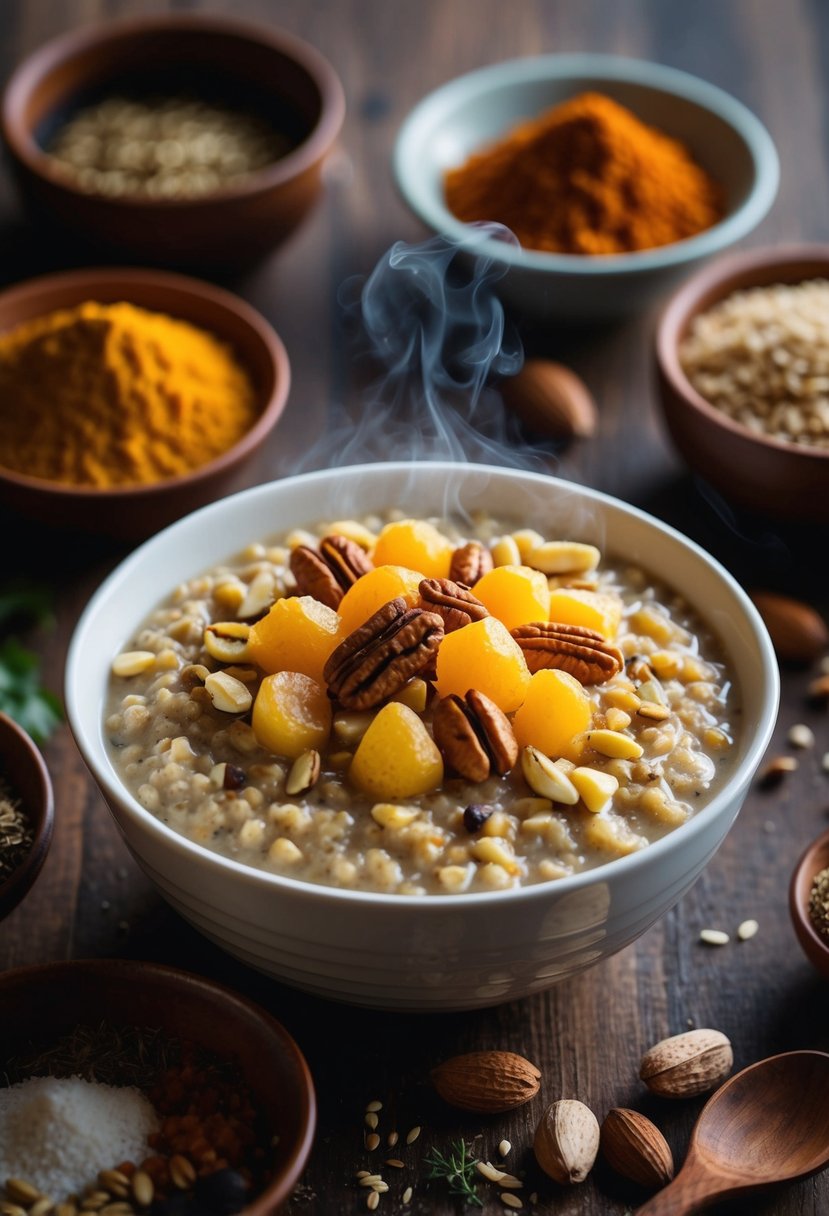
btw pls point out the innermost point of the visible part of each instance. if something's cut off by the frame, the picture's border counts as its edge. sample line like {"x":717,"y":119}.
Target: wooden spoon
{"x":769,"y":1123}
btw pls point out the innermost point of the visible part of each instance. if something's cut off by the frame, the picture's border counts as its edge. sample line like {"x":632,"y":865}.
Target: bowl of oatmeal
{"x":421,"y":736}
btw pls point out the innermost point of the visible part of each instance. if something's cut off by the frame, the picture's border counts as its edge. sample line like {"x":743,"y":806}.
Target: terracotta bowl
{"x":135,"y":512}
{"x":813,"y":860}
{"x":25,"y":771}
{"x":754,"y":471}
{"x":40,"y":1004}
{"x":275,"y":72}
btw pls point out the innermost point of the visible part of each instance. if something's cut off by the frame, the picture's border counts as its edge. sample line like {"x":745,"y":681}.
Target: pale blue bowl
{"x":474,"y":110}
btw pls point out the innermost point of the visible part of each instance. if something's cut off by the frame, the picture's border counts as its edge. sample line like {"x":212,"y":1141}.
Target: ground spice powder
{"x":587,"y":177}
{"x":114,"y":395}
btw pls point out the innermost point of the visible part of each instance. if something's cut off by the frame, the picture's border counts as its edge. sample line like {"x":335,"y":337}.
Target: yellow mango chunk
{"x":298,"y":634}
{"x":555,"y":712}
{"x":484,"y":656}
{"x":374,"y":590}
{"x":417,"y":544}
{"x":593,"y":609}
{"x":291,"y":714}
{"x":396,"y":757}
{"x":517,"y":595}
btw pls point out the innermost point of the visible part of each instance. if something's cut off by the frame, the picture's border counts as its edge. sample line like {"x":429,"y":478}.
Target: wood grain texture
{"x":588,"y":1035}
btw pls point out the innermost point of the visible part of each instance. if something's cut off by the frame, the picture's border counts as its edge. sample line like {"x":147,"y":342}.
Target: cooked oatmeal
{"x":308,"y":708}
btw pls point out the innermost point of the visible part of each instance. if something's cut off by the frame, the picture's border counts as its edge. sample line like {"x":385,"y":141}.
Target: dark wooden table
{"x":587,"y":1035}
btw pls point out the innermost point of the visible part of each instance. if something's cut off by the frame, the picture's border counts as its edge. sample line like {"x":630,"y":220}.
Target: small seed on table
{"x":747,"y":930}
{"x":407,"y":1195}
{"x":371,"y":1120}
{"x":510,"y":1201}
{"x":142,"y":1188}
{"x":801,"y":735}
{"x":374,"y":1106}
{"x":372,"y":1201}
{"x":714,"y":937}
{"x":396,"y":1163}
{"x":504,"y":1147}
{"x":413,"y":1135}
{"x":372,"y":1141}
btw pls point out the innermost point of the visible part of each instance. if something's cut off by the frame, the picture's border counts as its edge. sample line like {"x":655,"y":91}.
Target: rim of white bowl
{"x":89,"y":737}
{"x":428,"y":205}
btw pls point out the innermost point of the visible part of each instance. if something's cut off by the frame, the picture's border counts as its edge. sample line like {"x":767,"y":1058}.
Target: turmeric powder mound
{"x":587,"y":177}
{"x":114,"y":395}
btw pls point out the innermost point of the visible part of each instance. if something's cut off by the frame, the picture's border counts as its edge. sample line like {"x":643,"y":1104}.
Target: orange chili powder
{"x":587,"y":177}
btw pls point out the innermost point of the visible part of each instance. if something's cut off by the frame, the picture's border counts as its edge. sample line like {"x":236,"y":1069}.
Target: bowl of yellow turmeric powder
{"x":615,"y":177}
{"x":131,"y":397}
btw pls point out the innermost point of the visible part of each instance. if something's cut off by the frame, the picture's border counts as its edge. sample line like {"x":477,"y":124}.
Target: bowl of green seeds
{"x":26,"y":813}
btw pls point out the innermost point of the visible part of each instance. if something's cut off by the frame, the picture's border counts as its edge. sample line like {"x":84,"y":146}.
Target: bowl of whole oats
{"x":742,"y":356}
{"x":421,"y":736}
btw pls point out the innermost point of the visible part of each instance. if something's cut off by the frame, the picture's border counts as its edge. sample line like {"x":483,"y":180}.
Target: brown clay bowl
{"x":813,"y":860}
{"x":264,"y":69}
{"x":135,"y":512}
{"x":763,"y":474}
{"x":24,"y":771}
{"x":38,"y":1005}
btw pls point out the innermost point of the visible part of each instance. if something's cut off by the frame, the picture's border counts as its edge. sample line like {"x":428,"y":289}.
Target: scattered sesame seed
{"x":407,"y":1195}
{"x":374,"y":1106}
{"x":372,"y":1201}
{"x":511,"y":1201}
{"x":371,"y":1120}
{"x":504,"y":1148}
{"x":747,"y":929}
{"x":392,"y":1139}
{"x":372,"y":1141}
{"x":412,"y":1135}
{"x":801,"y":735}
{"x":396,"y":1163}
{"x":714,"y":937}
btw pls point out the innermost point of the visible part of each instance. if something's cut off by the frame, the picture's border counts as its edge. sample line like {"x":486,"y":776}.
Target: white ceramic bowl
{"x":477,"y":109}
{"x":405,"y":952}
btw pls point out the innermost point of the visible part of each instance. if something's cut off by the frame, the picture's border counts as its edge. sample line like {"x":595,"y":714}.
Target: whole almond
{"x":635,"y":1148}
{"x":551,"y":400}
{"x":487,"y":1082}
{"x":797,"y":631}
{"x":687,"y":1064}
{"x":566,"y":1141}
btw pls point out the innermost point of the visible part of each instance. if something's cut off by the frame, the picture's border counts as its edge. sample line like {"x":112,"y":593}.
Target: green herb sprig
{"x":22,"y":696}
{"x":457,"y":1168}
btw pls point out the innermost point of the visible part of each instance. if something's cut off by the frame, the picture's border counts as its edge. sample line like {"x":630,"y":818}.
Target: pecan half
{"x":327,"y":573}
{"x":376,"y":660}
{"x":453,"y":602}
{"x":583,"y":653}
{"x":474,"y":737}
{"x":469,"y":563}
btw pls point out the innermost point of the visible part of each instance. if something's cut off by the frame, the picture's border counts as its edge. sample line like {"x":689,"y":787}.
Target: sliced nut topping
{"x":614,"y":744}
{"x":469,"y":563}
{"x":545,"y":779}
{"x":474,"y":736}
{"x":304,"y":773}
{"x":653,"y":711}
{"x":327,"y":573}
{"x":228,"y":694}
{"x":563,"y":557}
{"x":259,"y":596}
{"x":638,"y":670}
{"x":194,"y":675}
{"x":132,"y":662}
{"x":227,"y":641}
{"x":380,"y":657}
{"x":454,"y":603}
{"x":583,"y":653}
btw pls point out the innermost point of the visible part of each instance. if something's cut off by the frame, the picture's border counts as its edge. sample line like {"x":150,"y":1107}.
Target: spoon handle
{"x":691,"y":1191}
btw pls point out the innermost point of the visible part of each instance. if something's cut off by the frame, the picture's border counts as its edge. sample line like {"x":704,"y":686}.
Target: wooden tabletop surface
{"x":588,"y":1034}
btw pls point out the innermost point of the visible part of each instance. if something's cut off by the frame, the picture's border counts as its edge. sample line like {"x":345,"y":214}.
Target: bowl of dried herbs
{"x":26,"y":812}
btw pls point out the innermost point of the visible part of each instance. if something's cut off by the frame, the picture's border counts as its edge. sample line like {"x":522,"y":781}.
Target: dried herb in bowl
{"x":16,"y":836}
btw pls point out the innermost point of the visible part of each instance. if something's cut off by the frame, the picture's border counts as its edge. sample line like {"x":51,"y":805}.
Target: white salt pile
{"x":57,"y":1133}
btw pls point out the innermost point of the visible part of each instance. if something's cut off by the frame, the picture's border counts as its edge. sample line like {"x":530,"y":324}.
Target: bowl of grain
{"x":615,"y":175}
{"x":139,"y":394}
{"x":742,"y":356}
{"x":147,"y":1087}
{"x":809,"y":902}
{"x":185,"y":140}
{"x":26,"y":813}
{"x":385,"y":789}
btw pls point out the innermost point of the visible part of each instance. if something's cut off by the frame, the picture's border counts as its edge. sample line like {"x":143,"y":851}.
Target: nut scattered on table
{"x":551,"y":400}
{"x":798,"y":633}
{"x":487,"y":1082}
{"x":635,"y":1148}
{"x":687,"y":1064}
{"x":567,"y":1141}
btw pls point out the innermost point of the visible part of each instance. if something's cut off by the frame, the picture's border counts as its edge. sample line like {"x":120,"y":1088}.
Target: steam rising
{"x":429,"y":320}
